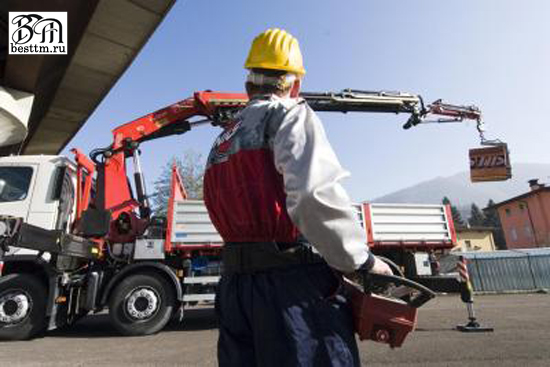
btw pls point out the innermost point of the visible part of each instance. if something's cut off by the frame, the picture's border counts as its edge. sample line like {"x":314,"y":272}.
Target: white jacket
{"x":316,"y":201}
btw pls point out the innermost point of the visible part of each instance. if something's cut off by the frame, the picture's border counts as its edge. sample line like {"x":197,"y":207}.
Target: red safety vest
{"x":243,"y":191}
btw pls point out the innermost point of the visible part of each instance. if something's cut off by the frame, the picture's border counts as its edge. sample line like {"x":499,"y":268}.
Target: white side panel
{"x":42,"y":219}
{"x":146,"y":249}
{"x":412,"y":210}
{"x":194,"y":217}
{"x":201,"y":280}
{"x":410,"y":237}
{"x":408,"y":219}
{"x":43,"y":209}
{"x":192,"y":225}
{"x":411,"y":227}
{"x":422,"y":264}
{"x":409,"y":223}
{"x":199,"y":297}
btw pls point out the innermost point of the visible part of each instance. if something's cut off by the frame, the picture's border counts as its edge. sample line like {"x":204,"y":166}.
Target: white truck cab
{"x":40,"y":189}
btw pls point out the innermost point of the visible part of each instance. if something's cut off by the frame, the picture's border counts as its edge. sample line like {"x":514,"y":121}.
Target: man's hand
{"x":380,"y":267}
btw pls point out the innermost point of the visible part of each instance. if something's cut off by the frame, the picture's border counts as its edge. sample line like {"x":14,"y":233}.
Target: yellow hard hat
{"x":275,"y":49}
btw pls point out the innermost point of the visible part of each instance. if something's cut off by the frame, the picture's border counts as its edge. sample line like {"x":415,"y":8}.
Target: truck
{"x":413,"y":237}
{"x":76,"y":236}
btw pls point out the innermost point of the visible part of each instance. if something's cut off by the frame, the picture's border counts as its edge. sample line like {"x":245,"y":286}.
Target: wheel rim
{"x":15,"y":307}
{"x":142,"y":303}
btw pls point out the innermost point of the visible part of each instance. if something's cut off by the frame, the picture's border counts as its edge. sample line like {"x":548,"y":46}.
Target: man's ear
{"x":295,"y":90}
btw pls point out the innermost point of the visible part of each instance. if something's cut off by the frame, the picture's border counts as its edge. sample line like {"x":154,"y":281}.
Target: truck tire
{"x":142,"y":304}
{"x":22,"y":306}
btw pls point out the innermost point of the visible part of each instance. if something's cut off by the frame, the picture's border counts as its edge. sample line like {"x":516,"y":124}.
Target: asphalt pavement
{"x":521,"y":338}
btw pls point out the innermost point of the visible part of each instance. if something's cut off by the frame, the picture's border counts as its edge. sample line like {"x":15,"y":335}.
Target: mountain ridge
{"x":462,"y":193}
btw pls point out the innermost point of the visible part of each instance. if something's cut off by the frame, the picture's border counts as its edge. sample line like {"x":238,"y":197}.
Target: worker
{"x":272,"y":191}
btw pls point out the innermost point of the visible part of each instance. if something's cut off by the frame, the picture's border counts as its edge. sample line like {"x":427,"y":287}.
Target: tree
{"x":476,"y":216}
{"x":493,"y":221}
{"x":191,"y":170}
{"x":457,"y":218}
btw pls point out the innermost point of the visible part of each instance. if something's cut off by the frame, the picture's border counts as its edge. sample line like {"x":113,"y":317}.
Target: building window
{"x":468,"y":244}
{"x":514,"y":234}
{"x":521,"y":206}
{"x":508,"y":212}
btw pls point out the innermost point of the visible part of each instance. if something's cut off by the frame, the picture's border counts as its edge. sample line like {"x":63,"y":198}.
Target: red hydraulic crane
{"x":114,"y":215}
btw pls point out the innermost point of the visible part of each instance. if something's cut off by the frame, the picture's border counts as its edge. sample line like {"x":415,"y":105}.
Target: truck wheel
{"x":141,"y":304}
{"x":22,"y":306}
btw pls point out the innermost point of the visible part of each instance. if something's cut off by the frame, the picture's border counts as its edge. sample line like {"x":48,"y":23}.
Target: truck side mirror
{"x":2,"y":185}
{"x":59,"y":178}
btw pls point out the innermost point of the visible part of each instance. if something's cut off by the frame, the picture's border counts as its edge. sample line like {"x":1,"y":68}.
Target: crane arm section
{"x":173,"y":119}
{"x":350,"y":100}
{"x":114,"y":198}
{"x":218,"y":108}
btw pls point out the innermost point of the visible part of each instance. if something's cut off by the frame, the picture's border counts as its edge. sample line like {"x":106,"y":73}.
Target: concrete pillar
{"x":15,"y":109}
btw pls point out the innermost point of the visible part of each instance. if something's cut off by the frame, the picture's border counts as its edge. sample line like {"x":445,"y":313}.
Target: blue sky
{"x":492,"y":53}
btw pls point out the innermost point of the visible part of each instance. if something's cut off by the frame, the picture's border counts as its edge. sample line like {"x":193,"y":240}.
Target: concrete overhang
{"x":104,"y":37}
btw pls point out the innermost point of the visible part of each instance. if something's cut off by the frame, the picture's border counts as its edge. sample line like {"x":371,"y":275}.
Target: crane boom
{"x":219,"y":108}
{"x":114,"y":202}
{"x":350,"y":100}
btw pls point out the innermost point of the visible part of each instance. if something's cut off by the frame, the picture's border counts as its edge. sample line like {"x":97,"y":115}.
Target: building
{"x":525,"y":218}
{"x":474,"y":239}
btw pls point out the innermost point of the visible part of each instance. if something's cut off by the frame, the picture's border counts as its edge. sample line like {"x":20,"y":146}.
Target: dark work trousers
{"x":284,"y":317}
